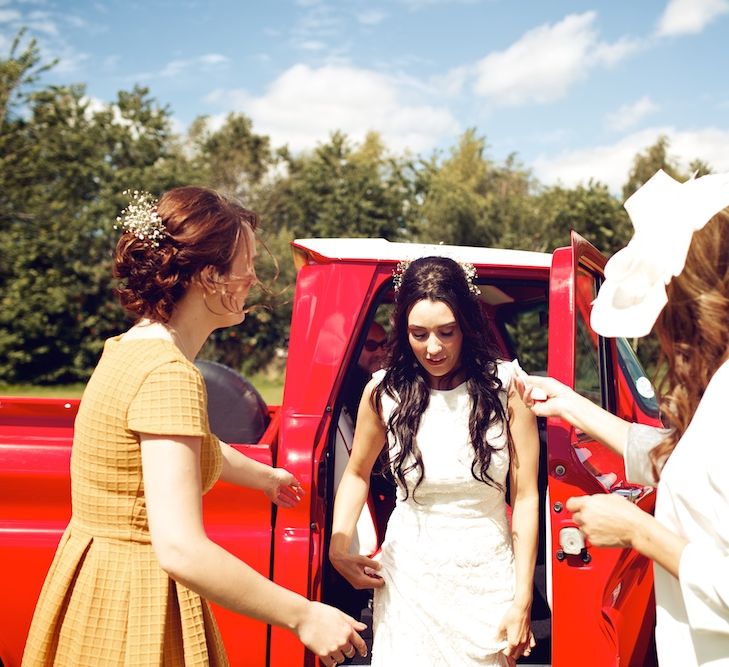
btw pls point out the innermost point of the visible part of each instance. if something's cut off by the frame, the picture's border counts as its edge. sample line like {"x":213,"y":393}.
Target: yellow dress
{"x":106,"y":601}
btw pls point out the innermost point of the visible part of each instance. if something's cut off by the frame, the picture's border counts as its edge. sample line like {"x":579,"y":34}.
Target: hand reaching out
{"x":544,"y":396}
{"x":607,"y":520}
{"x":282,"y":488}
{"x":330,"y":634}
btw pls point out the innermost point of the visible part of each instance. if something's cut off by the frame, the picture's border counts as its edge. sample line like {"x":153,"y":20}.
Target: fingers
{"x":289,"y":494}
{"x":358,"y":644}
{"x":355,"y":644}
{"x":520,"y":385}
{"x":360,"y":571}
{"x":575,"y":503}
{"x":529,"y":645}
{"x":336,"y":658}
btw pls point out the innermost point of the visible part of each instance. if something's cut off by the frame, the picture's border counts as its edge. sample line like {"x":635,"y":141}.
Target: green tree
{"x":64,"y":169}
{"x":467,"y":199}
{"x":232,"y":159}
{"x":648,"y":162}
{"x":340,"y":190}
{"x":591,"y":210}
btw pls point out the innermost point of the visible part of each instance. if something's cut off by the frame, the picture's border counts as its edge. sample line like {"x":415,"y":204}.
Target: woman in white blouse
{"x":673,"y":277}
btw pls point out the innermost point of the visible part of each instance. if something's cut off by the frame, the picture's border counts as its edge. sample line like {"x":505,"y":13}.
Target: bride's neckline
{"x":461,"y":385}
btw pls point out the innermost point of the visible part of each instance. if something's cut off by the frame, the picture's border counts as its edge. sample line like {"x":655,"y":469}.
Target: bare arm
{"x":524,"y":472}
{"x":172,"y":483}
{"x":369,"y":438}
{"x":582,"y":413}
{"x":279,"y":485}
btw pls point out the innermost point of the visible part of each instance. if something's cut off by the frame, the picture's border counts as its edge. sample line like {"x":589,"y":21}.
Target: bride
{"x":453,"y":585}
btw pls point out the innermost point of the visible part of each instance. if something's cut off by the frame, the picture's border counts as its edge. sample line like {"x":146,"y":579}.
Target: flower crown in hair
{"x":469,"y":271}
{"x":140,"y":218}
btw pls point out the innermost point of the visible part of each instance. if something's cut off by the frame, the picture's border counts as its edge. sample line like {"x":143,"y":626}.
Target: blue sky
{"x":574,"y":88}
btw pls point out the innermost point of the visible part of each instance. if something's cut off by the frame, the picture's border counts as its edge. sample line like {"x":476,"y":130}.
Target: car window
{"x":592,"y":359}
{"x":587,"y":358}
{"x":526,"y":331}
{"x":637,"y":380}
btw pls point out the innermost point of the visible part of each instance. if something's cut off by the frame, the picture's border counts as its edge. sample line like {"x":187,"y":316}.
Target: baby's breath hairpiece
{"x":397,"y":274}
{"x":140,"y":218}
{"x":469,"y":270}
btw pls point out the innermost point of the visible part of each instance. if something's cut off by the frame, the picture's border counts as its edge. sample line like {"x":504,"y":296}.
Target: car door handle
{"x":631,"y":494}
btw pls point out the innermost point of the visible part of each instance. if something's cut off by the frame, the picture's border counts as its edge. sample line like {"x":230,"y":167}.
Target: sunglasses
{"x":371,"y":345}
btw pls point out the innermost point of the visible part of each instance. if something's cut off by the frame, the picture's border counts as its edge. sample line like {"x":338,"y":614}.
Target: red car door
{"x":602,"y":599}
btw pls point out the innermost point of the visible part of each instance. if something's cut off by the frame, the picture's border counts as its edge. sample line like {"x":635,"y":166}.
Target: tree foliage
{"x":64,"y":168}
{"x":65,"y":161}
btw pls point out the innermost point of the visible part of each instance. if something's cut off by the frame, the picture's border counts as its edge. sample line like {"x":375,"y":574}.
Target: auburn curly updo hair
{"x":203,"y":229}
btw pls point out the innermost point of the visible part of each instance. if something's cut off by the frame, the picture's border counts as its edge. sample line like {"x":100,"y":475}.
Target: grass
{"x":270,"y":388}
{"x":54,"y":391}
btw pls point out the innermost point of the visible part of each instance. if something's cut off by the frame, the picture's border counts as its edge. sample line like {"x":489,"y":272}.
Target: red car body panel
{"x":603,"y":606}
{"x":601,"y":609}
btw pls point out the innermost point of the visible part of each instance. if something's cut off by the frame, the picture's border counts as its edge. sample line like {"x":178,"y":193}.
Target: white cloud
{"x":546,"y":61}
{"x":452,"y":82}
{"x":176,"y":68}
{"x":213,"y":59}
{"x":422,"y":4}
{"x":312,"y":45}
{"x":610,"y":164}
{"x":68,"y":59}
{"x":371,"y":17}
{"x":316,"y":26}
{"x":683,"y":17}
{"x":76,"y":21}
{"x":7,"y":15}
{"x":42,"y":22}
{"x":629,"y":115}
{"x":304,"y":105}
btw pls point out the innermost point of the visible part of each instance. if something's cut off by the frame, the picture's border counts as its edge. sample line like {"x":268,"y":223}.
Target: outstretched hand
{"x":330,"y":634}
{"x":544,"y":396}
{"x":282,"y":488}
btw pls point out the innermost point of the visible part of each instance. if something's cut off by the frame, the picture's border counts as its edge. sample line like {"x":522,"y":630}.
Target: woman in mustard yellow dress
{"x":130,"y":580}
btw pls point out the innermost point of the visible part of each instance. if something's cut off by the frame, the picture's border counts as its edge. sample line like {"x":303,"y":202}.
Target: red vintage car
{"x":592,"y":606}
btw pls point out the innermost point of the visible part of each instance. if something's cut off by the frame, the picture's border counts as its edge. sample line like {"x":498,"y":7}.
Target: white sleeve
{"x":703,"y":571}
{"x":703,"y":574}
{"x":505,"y":371}
{"x":641,"y":440}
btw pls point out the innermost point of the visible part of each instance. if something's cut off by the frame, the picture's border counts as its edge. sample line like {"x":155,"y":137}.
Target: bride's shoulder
{"x":505,"y":372}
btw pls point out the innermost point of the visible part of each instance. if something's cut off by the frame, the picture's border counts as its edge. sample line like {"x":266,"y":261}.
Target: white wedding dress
{"x":447,"y":557}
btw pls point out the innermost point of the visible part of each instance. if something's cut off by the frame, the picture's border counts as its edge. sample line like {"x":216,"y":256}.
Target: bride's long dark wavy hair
{"x":406,"y":381}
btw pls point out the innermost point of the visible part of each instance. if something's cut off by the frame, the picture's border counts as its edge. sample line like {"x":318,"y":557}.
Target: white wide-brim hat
{"x":665,"y":213}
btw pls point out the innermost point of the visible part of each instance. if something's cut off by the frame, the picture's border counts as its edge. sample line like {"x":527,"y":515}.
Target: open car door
{"x":603,"y":611}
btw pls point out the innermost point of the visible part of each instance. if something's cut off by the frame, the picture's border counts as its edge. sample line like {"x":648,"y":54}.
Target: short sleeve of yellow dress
{"x":105,"y":600}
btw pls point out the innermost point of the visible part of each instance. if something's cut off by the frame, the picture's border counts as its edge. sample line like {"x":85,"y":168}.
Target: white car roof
{"x":347,"y":249}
